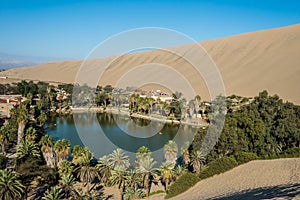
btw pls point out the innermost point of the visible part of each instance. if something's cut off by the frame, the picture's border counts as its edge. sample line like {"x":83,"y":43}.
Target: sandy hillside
{"x":261,"y":179}
{"x":248,"y":63}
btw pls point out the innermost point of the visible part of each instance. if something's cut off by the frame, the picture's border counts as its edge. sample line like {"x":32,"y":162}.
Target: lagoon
{"x":104,"y":132}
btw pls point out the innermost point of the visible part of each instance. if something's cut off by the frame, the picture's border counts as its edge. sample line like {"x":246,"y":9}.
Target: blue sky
{"x":72,"y":28}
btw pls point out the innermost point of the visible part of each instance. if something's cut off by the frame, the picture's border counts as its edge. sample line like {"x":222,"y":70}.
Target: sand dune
{"x":260,"y":179}
{"x":248,"y":63}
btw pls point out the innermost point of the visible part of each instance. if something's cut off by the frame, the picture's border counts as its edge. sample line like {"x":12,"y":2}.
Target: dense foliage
{"x":218,"y":166}
{"x":266,"y":126}
{"x":182,"y":184}
{"x":263,"y":128}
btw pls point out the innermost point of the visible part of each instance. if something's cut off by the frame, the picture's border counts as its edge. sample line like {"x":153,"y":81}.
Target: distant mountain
{"x":8,"y":61}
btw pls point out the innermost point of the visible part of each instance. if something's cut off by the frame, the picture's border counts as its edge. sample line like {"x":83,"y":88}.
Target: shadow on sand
{"x":288,"y":191}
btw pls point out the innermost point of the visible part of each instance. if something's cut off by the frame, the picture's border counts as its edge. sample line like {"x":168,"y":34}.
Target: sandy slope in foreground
{"x":261,"y":179}
{"x":248,"y":63}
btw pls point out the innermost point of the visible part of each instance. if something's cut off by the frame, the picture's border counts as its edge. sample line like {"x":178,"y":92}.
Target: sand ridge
{"x":260,"y":179}
{"x":248,"y":63}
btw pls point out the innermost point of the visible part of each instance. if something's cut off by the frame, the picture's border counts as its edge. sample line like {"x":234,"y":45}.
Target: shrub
{"x":156,"y":192}
{"x":244,"y":157}
{"x":218,"y":166}
{"x":292,"y":152}
{"x":288,"y":153}
{"x":182,"y":184}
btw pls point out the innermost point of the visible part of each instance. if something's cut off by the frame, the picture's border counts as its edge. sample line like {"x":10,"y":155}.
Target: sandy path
{"x":271,"y":179}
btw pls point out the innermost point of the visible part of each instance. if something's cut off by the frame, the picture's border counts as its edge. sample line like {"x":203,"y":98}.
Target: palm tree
{"x":197,"y":160}
{"x":118,"y":177}
{"x":151,"y":101}
{"x":198,"y":101}
{"x":66,"y":183}
{"x":10,"y":186}
{"x":166,"y":173}
{"x":27,"y":149}
{"x":31,"y":134}
{"x":5,"y":137}
{"x":147,"y":169}
{"x":22,"y":118}
{"x":94,"y":195}
{"x":65,"y":168}
{"x":3,"y":141}
{"x":133,"y":179}
{"x":61,"y":148}
{"x":118,"y":158}
{"x":104,"y":168}
{"x":86,"y":172}
{"x":42,"y":118}
{"x":142,"y":153}
{"x":47,"y":149}
{"x":171,"y":151}
{"x":132,"y":194}
{"x":53,"y":194}
{"x":167,"y":110}
{"x":79,"y":194}
{"x":185,"y":153}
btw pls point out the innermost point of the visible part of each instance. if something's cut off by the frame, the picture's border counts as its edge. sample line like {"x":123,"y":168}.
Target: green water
{"x":103,"y":133}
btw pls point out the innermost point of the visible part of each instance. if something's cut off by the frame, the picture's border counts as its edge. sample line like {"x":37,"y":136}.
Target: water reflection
{"x":103,"y":133}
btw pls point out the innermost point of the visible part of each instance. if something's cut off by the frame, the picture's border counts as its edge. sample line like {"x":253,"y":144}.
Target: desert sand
{"x":260,"y":179}
{"x":248,"y":63}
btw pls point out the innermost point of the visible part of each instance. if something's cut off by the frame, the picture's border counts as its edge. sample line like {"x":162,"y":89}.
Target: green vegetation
{"x":264,"y":127}
{"x":218,"y":166}
{"x":182,"y":184}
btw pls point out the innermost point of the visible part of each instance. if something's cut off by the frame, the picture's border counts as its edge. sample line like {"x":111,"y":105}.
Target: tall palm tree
{"x":3,"y":142}
{"x":198,"y":101}
{"x":118,"y":177}
{"x":185,"y":153}
{"x":62,"y":148}
{"x":22,"y":118}
{"x":5,"y":137}
{"x":27,"y":149}
{"x":47,"y":149}
{"x":142,"y":153}
{"x":171,"y":151}
{"x":151,"y":102}
{"x":10,"y":186}
{"x":197,"y":161}
{"x":104,"y":168}
{"x":166,"y":173}
{"x":118,"y":158}
{"x":53,"y":194}
{"x":86,"y":172}
{"x":147,"y":169}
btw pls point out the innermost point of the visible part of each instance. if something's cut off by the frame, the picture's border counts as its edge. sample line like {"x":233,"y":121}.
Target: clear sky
{"x":71,"y":28}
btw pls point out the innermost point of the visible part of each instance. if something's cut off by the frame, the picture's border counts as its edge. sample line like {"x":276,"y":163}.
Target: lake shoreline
{"x":162,"y":119}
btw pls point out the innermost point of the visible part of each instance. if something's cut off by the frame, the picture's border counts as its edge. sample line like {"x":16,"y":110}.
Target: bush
{"x":156,"y":192}
{"x":3,"y":161}
{"x":244,"y":157}
{"x":292,"y":152}
{"x":288,"y":153}
{"x":218,"y":166}
{"x":182,"y":184}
